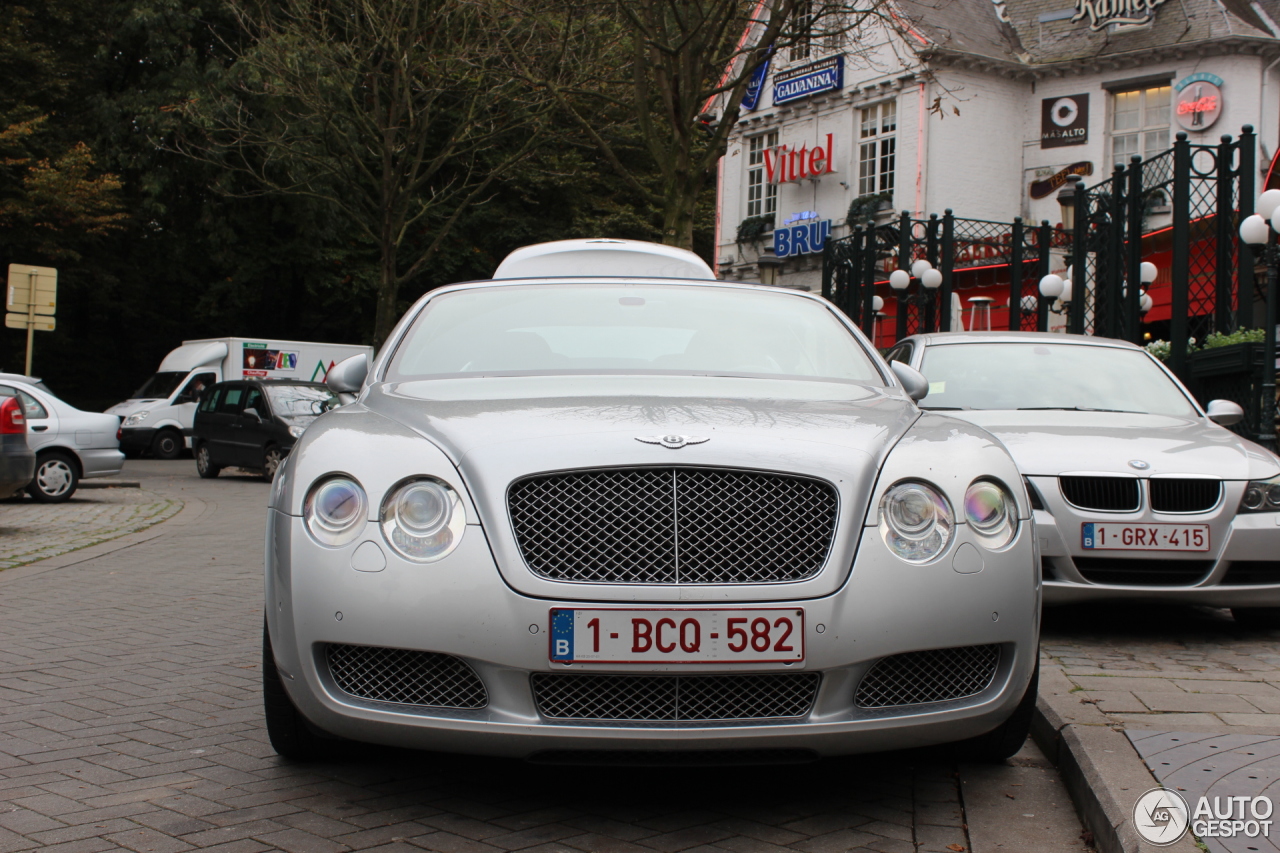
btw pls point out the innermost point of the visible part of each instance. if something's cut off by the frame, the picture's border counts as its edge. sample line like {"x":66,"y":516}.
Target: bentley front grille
{"x":1105,"y":494}
{"x":1189,"y":495}
{"x":673,"y":525}
{"x":675,"y":698}
{"x":405,"y":677}
{"x":937,"y":675}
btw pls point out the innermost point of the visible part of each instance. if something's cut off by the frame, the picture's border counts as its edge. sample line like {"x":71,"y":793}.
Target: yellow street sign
{"x":19,"y":321}
{"x":32,"y":287}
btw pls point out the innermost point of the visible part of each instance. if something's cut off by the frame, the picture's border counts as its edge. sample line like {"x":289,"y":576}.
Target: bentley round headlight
{"x":916,"y":521}
{"x":423,"y":520}
{"x":335,"y":510}
{"x":991,"y":513}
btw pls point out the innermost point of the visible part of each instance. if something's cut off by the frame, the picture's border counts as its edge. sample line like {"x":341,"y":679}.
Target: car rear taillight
{"x":12,"y":419}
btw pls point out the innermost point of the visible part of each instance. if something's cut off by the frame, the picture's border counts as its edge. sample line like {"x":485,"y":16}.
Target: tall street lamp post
{"x":1259,"y":234}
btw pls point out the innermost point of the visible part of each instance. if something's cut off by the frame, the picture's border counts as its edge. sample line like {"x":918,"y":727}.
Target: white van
{"x":158,"y":416}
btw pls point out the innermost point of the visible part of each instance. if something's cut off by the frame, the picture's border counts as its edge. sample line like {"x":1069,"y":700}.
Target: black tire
{"x":167,"y":444}
{"x":57,"y":477}
{"x":271,"y":461}
{"x":1004,"y":741}
{"x":205,"y":468}
{"x":1257,"y":618}
{"x":290,"y":734}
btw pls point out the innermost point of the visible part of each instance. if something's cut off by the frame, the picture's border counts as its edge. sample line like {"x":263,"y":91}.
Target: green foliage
{"x":1241,"y":336}
{"x":753,"y":228}
{"x":1159,"y":349}
{"x":864,"y":207}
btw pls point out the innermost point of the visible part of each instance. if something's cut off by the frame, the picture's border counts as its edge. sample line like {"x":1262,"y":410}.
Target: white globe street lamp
{"x":931,"y":278}
{"x":899,"y":279}
{"x":1051,"y":286}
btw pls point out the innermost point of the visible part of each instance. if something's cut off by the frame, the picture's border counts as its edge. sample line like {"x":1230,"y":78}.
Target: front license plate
{"x":1144,"y":537}
{"x":755,"y":635}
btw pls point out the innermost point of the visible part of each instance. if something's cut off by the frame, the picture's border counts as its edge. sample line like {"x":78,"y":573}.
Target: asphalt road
{"x":130,"y":719}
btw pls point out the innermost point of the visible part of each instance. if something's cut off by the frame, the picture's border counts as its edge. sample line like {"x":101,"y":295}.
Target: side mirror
{"x":913,"y":381}
{"x":346,"y":378}
{"x":252,"y":414}
{"x":1224,"y":412}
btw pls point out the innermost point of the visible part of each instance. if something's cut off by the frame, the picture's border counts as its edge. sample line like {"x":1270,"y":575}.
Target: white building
{"x":983,"y":107}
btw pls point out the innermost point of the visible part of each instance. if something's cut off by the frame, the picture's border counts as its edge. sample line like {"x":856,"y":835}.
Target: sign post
{"x":31,"y":301}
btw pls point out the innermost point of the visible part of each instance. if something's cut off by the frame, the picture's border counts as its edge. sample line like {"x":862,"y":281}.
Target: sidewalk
{"x":1183,"y":693}
{"x":31,"y":531}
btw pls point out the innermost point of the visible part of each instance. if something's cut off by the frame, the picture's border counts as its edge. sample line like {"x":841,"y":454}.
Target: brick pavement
{"x":1167,"y":668}
{"x":130,"y":719}
{"x":31,"y":531}
{"x":1197,"y":695}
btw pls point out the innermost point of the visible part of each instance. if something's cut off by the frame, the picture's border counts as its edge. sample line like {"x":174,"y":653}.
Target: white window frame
{"x":877,"y":147}
{"x":1153,"y":133}
{"x":762,"y":194}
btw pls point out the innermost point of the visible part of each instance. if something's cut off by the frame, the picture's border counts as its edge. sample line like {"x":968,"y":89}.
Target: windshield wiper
{"x":1075,"y":409}
{"x":945,"y":408}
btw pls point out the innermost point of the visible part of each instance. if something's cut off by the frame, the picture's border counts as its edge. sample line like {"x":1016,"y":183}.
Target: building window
{"x":762,"y":194}
{"x":802,"y":20}
{"x":1140,"y":123}
{"x":877,"y":146}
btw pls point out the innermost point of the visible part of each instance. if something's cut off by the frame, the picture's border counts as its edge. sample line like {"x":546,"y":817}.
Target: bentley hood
{"x":1049,"y":443}
{"x":495,"y":428}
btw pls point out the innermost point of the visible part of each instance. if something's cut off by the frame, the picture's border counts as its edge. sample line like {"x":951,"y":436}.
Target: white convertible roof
{"x":630,"y":258}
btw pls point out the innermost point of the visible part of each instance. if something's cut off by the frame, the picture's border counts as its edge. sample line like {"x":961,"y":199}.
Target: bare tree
{"x":679,"y":70}
{"x":402,"y":113}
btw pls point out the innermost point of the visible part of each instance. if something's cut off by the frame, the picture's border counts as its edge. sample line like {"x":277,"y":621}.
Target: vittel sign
{"x":788,"y":164}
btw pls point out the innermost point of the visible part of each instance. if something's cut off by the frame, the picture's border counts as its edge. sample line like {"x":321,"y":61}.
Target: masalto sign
{"x":821,"y":76}
{"x":1125,"y":13}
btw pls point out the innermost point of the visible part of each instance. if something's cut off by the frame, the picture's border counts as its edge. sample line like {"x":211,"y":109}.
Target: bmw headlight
{"x":916,"y":521}
{"x":296,"y":431}
{"x":335,"y":510}
{"x":991,"y":513}
{"x":1261,"y":496}
{"x":423,"y":519}
{"x":136,"y":418}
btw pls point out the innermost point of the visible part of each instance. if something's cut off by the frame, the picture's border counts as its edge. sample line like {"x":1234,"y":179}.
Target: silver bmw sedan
{"x":619,"y":513}
{"x":1138,"y":493}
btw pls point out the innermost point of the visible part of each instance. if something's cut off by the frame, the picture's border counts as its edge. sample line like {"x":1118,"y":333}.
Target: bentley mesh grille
{"x":1172,"y":495}
{"x":675,"y":698}
{"x":1107,"y":494}
{"x":930,"y":676}
{"x":673,"y":525}
{"x":405,"y":677}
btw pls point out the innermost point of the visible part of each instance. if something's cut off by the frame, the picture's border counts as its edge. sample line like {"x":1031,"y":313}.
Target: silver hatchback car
{"x":567,"y":517}
{"x":1138,"y":493}
{"x":70,"y":445}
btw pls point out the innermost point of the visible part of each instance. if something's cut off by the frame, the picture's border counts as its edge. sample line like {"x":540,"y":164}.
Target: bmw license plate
{"x":1144,"y":537}
{"x":672,"y":635}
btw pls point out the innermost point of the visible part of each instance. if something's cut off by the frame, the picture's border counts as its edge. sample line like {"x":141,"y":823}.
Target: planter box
{"x":1234,"y":360}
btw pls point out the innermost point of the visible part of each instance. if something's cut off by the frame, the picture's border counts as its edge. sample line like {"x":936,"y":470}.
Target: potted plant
{"x":1233,"y":354}
{"x":871,"y":206}
{"x":753,"y":228}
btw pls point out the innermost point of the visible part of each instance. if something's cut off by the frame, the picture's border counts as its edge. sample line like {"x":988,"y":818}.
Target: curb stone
{"x":1102,"y":771}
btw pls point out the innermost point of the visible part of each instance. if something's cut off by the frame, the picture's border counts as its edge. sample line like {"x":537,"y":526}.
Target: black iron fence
{"x":1204,"y":190}
{"x":853,"y":265}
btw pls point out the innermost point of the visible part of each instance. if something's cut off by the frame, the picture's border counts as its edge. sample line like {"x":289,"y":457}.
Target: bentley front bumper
{"x":879,"y":669}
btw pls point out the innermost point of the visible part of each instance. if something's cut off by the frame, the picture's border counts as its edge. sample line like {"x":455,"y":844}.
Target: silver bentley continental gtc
{"x":1139,"y":493}
{"x":606,"y":505}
